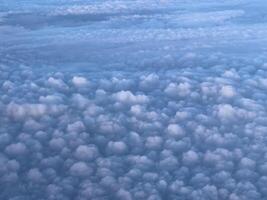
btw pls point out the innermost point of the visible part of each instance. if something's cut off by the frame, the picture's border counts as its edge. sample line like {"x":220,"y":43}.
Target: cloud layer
{"x":133,"y":100}
{"x":190,"y":134}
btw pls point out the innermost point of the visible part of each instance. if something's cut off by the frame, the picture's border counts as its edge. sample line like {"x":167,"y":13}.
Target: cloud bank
{"x":155,"y":136}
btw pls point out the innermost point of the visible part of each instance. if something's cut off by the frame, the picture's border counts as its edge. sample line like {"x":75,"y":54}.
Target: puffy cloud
{"x":226,"y":112}
{"x":80,"y":169}
{"x":118,"y":147}
{"x":20,"y":112}
{"x":154,"y":142}
{"x":7,"y":85}
{"x":169,"y":163}
{"x":13,"y":165}
{"x":86,"y":153}
{"x":16,"y":149}
{"x":51,"y":99}
{"x":247,"y":163}
{"x":35,"y":175}
{"x":176,"y":131}
{"x":79,"y":81}
{"x":190,"y":158}
{"x":57,"y":143}
{"x":80,"y":101}
{"x":76,"y":127}
{"x":180,"y":90}
{"x":57,"y":83}
{"x":124,"y":195}
{"x":127,"y":97}
{"x":227,"y":91}
{"x":149,"y":82}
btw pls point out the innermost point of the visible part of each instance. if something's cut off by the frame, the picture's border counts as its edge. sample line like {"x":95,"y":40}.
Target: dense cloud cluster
{"x":133,"y":100}
{"x":160,"y":135}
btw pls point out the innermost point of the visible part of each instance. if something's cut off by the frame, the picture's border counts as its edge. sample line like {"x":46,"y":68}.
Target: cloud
{"x":127,"y":97}
{"x":35,"y":176}
{"x":176,"y":131}
{"x":56,"y":83}
{"x":116,"y":147}
{"x":86,"y":153}
{"x":190,"y":158}
{"x":19,"y":112}
{"x":16,"y":149}
{"x":178,"y":90}
{"x":122,"y":111}
{"x":80,"y":169}
{"x":57,"y":144}
{"x":79,"y":81}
